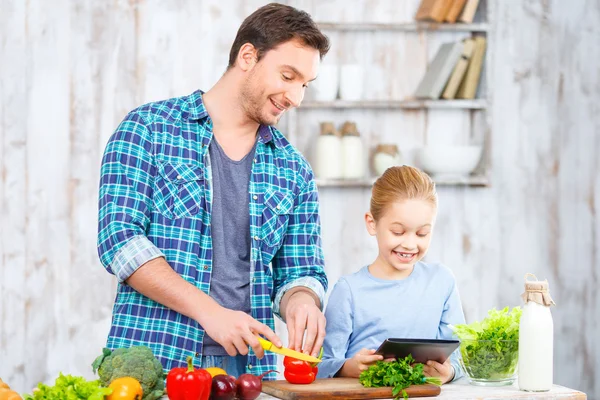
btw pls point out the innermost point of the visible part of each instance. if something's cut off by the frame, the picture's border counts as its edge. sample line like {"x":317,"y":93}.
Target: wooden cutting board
{"x":339,"y":388}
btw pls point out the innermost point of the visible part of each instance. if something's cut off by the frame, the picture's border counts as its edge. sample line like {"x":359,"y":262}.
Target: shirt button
{"x":205,"y":267}
{"x":179,"y":177}
{"x":255,"y":160}
{"x":253,"y":280}
{"x":197,"y":354}
{"x":255,"y":197}
{"x":249,"y":366}
{"x":256,"y":238}
{"x":278,"y":207}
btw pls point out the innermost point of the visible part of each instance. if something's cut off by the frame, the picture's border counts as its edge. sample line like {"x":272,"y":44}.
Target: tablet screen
{"x":422,"y":350}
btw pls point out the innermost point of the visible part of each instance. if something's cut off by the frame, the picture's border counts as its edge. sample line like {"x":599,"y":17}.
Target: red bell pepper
{"x":298,"y":371}
{"x":187,"y":383}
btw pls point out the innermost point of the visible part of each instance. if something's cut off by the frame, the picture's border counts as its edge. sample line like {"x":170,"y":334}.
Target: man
{"x":200,"y":194}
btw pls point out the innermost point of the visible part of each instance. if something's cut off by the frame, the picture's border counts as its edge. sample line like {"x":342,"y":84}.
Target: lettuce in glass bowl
{"x":490,"y":349}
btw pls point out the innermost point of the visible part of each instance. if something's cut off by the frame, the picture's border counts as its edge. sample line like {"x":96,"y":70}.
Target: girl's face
{"x":403,"y":235}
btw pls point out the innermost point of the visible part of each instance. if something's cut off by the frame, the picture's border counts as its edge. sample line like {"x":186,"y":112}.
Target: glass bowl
{"x":490,"y":362}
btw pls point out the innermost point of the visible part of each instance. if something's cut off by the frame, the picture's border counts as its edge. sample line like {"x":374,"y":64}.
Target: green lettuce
{"x":490,"y":348}
{"x":68,"y":387}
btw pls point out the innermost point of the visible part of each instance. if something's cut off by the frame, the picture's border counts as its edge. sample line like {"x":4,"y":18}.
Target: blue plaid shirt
{"x":156,"y":201}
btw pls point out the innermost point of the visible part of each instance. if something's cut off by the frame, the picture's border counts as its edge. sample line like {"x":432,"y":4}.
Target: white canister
{"x":351,"y":82}
{"x":536,"y":338}
{"x":327,"y":83}
{"x":386,"y":156}
{"x":353,"y":156}
{"x":328,"y":153}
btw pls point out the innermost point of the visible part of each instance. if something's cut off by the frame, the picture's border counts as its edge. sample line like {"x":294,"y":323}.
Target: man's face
{"x":278,"y":81}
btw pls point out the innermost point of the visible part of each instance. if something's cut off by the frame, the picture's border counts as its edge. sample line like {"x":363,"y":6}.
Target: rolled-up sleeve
{"x":300,"y":261}
{"x":126,"y":180}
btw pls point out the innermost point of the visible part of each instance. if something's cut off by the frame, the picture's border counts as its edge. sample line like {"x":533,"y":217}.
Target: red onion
{"x":249,"y":386}
{"x":223,"y":388}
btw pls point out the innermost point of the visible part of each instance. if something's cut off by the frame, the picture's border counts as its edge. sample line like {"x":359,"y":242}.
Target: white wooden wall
{"x":70,"y":70}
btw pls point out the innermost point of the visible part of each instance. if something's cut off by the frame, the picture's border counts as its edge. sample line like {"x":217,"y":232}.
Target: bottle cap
{"x":390,"y":149}
{"x":537,"y":291}
{"x":349,"y":129}
{"x":327,"y":128}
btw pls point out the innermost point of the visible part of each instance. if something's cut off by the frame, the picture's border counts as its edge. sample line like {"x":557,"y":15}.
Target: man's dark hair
{"x":273,"y":24}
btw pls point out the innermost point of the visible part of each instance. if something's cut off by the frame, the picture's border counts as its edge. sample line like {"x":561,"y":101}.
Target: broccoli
{"x":137,"y":362}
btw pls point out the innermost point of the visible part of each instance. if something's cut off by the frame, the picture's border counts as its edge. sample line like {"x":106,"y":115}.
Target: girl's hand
{"x":443,"y":371}
{"x":359,"y":363}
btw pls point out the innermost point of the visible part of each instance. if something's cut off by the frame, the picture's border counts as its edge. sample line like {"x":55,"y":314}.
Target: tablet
{"x":422,"y":350}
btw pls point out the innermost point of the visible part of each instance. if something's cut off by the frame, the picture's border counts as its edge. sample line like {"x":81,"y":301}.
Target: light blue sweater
{"x":363,"y":311}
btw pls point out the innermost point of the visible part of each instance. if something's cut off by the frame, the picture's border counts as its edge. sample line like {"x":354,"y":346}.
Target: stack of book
{"x":447,"y":11}
{"x":455,"y":71}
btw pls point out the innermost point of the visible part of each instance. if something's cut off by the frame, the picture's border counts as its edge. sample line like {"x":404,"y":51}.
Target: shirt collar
{"x":197,"y":111}
{"x":264,"y":134}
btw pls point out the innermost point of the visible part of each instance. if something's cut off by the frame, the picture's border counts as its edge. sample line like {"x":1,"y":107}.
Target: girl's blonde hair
{"x":401,"y":183}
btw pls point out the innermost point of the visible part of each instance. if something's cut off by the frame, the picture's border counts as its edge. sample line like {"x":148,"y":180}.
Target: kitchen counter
{"x":462,"y":390}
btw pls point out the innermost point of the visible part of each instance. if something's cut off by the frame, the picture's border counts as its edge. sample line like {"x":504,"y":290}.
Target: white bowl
{"x":440,"y":160}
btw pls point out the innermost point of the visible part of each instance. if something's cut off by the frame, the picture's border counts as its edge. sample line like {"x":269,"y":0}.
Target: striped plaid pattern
{"x":155,"y":201}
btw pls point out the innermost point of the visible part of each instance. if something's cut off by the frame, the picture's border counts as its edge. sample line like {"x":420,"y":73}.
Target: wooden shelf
{"x":404,"y":26}
{"x":474,"y":180}
{"x":477,"y":104}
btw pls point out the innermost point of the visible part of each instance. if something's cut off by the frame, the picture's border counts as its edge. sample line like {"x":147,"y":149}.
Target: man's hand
{"x":302,"y":313}
{"x":236,"y":330}
{"x":359,"y":363}
{"x":443,"y":371}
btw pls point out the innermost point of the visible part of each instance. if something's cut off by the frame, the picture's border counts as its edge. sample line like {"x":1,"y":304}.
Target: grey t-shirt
{"x":230,"y":224}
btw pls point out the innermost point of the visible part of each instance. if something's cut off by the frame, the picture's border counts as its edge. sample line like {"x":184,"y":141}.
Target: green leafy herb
{"x":490,"y":348}
{"x":399,"y":374}
{"x":68,"y":387}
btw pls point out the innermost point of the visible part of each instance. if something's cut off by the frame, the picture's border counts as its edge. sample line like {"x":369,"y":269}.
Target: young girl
{"x":397,"y":295}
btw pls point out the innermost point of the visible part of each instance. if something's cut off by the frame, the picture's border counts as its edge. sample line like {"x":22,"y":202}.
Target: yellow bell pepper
{"x":6,"y":393}
{"x":125,"y":388}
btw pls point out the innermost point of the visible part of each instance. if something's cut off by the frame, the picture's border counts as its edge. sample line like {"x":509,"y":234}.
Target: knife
{"x":287,"y":352}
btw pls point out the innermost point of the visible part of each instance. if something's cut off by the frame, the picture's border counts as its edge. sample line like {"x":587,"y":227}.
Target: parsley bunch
{"x":399,"y":374}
